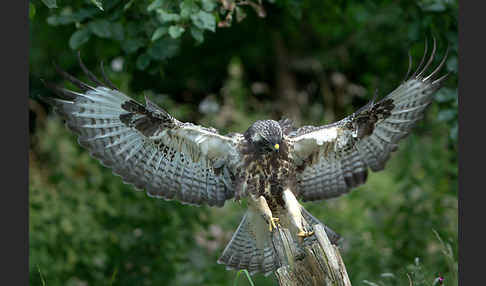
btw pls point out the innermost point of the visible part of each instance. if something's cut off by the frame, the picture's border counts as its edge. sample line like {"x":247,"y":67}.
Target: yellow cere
{"x":276,"y":146}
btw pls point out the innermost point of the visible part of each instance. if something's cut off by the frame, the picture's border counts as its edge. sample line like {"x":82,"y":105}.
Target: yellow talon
{"x":305,"y":233}
{"x":273,"y":223}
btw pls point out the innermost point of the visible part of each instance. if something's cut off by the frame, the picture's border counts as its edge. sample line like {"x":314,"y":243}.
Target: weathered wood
{"x":320,"y":263}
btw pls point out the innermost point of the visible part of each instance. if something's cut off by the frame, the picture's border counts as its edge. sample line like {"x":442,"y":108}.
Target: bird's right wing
{"x":146,"y":146}
{"x":335,"y":158}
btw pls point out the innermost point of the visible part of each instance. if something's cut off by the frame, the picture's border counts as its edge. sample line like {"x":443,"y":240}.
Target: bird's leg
{"x":294,"y":209}
{"x":261,"y":205}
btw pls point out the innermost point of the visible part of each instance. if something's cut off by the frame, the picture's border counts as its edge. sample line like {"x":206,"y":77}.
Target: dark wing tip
{"x":105,"y":78}
{"x":431,"y":58}
{"x":93,"y":78}
{"x":88,"y":73}
{"x":422,"y":60}
{"x":420,"y":71}
{"x":439,"y":67}
{"x":409,"y":66}
{"x":83,"y":86}
{"x":70,"y":95}
{"x":59,"y":91}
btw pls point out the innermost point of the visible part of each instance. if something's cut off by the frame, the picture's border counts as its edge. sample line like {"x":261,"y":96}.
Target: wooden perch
{"x":318,"y":264}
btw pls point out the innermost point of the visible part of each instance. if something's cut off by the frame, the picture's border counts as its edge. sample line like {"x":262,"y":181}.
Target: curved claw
{"x":274,"y":222}
{"x":305,"y":233}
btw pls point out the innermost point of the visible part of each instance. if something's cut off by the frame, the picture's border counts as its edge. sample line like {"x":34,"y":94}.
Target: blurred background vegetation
{"x":225,"y":64}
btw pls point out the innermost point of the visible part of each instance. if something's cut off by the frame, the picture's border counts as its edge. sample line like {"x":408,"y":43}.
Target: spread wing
{"x":146,"y":146}
{"x":334,"y":158}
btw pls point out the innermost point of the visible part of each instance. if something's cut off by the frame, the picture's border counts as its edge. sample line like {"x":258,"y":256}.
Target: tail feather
{"x":311,"y":220}
{"x":242,"y":252}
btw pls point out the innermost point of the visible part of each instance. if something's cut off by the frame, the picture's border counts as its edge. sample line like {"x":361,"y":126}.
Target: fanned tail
{"x":245,"y":251}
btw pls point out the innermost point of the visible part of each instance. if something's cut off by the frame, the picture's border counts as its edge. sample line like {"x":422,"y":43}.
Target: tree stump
{"x":321,"y":264}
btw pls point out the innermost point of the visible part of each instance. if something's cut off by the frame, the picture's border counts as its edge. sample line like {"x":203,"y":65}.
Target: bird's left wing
{"x":146,"y":146}
{"x":334,"y":158}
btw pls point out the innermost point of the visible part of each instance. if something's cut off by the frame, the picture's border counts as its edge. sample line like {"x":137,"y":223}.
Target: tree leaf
{"x":446,"y":94}
{"x":204,"y":20}
{"x":128,"y":5}
{"x":164,"y":48}
{"x":60,"y":20}
{"x":143,"y":61}
{"x":454,"y":131}
{"x":50,"y":3}
{"x":188,"y":8}
{"x":165,"y":17}
{"x":433,"y":6}
{"x":98,"y":4}
{"x":117,"y":31}
{"x":132,"y":29}
{"x":197,"y":34}
{"x":101,"y":28}
{"x":437,"y":7}
{"x":159,"y":33}
{"x":79,"y":37}
{"x":448,"y":114}
{"x":452,"y":64}
{"x":208,"y":5}
{"x":79,"y":16}
{"x":240,"y":14}
{"x":31,"y":11}
{"x":131,"y":45}
{"x":154,"y":5}
{"x":176,"y":31}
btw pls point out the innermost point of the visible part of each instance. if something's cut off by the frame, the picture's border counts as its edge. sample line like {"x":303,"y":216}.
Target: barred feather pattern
{"x":311,"y":221}
{"x":335,"y":158}
{"x":167,"y":158}
{"x":242,"y":252}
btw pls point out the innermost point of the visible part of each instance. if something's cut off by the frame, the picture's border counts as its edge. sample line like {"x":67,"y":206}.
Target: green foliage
{"x":98,"y":4}
{"x":162,"y":19}
{"x":235,"y":282}
{"x":31,"y":11}
{"x":418,"y":275}
{"x":50,"y":3}
{"x":87,"y":219}
{"x":79,"y":37}
{"x":314,"y":61}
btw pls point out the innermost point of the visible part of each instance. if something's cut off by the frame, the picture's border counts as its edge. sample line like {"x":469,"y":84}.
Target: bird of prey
{"x":272,"y":164}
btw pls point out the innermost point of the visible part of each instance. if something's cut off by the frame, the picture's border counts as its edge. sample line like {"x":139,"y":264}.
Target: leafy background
{"x":226,"y":64}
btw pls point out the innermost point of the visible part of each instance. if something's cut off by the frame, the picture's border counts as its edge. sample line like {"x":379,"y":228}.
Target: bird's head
{"x":265,"y":136}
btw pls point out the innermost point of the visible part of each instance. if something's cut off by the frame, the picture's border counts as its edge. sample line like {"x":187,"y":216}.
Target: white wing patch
{"x":307,"y":143}
{"x":323,"y":135}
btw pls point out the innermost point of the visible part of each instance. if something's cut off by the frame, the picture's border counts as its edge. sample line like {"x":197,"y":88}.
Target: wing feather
{"x":335,"y":158}
{"x":146,"y":146}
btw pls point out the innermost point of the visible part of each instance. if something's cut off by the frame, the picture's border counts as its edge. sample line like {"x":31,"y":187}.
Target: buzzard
{"x":272,"y":164}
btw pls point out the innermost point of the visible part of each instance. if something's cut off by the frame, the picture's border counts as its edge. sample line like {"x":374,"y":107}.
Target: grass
{"x":43,"y":281}
{"x":113,"y":276}
{"x":235,"y":283}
